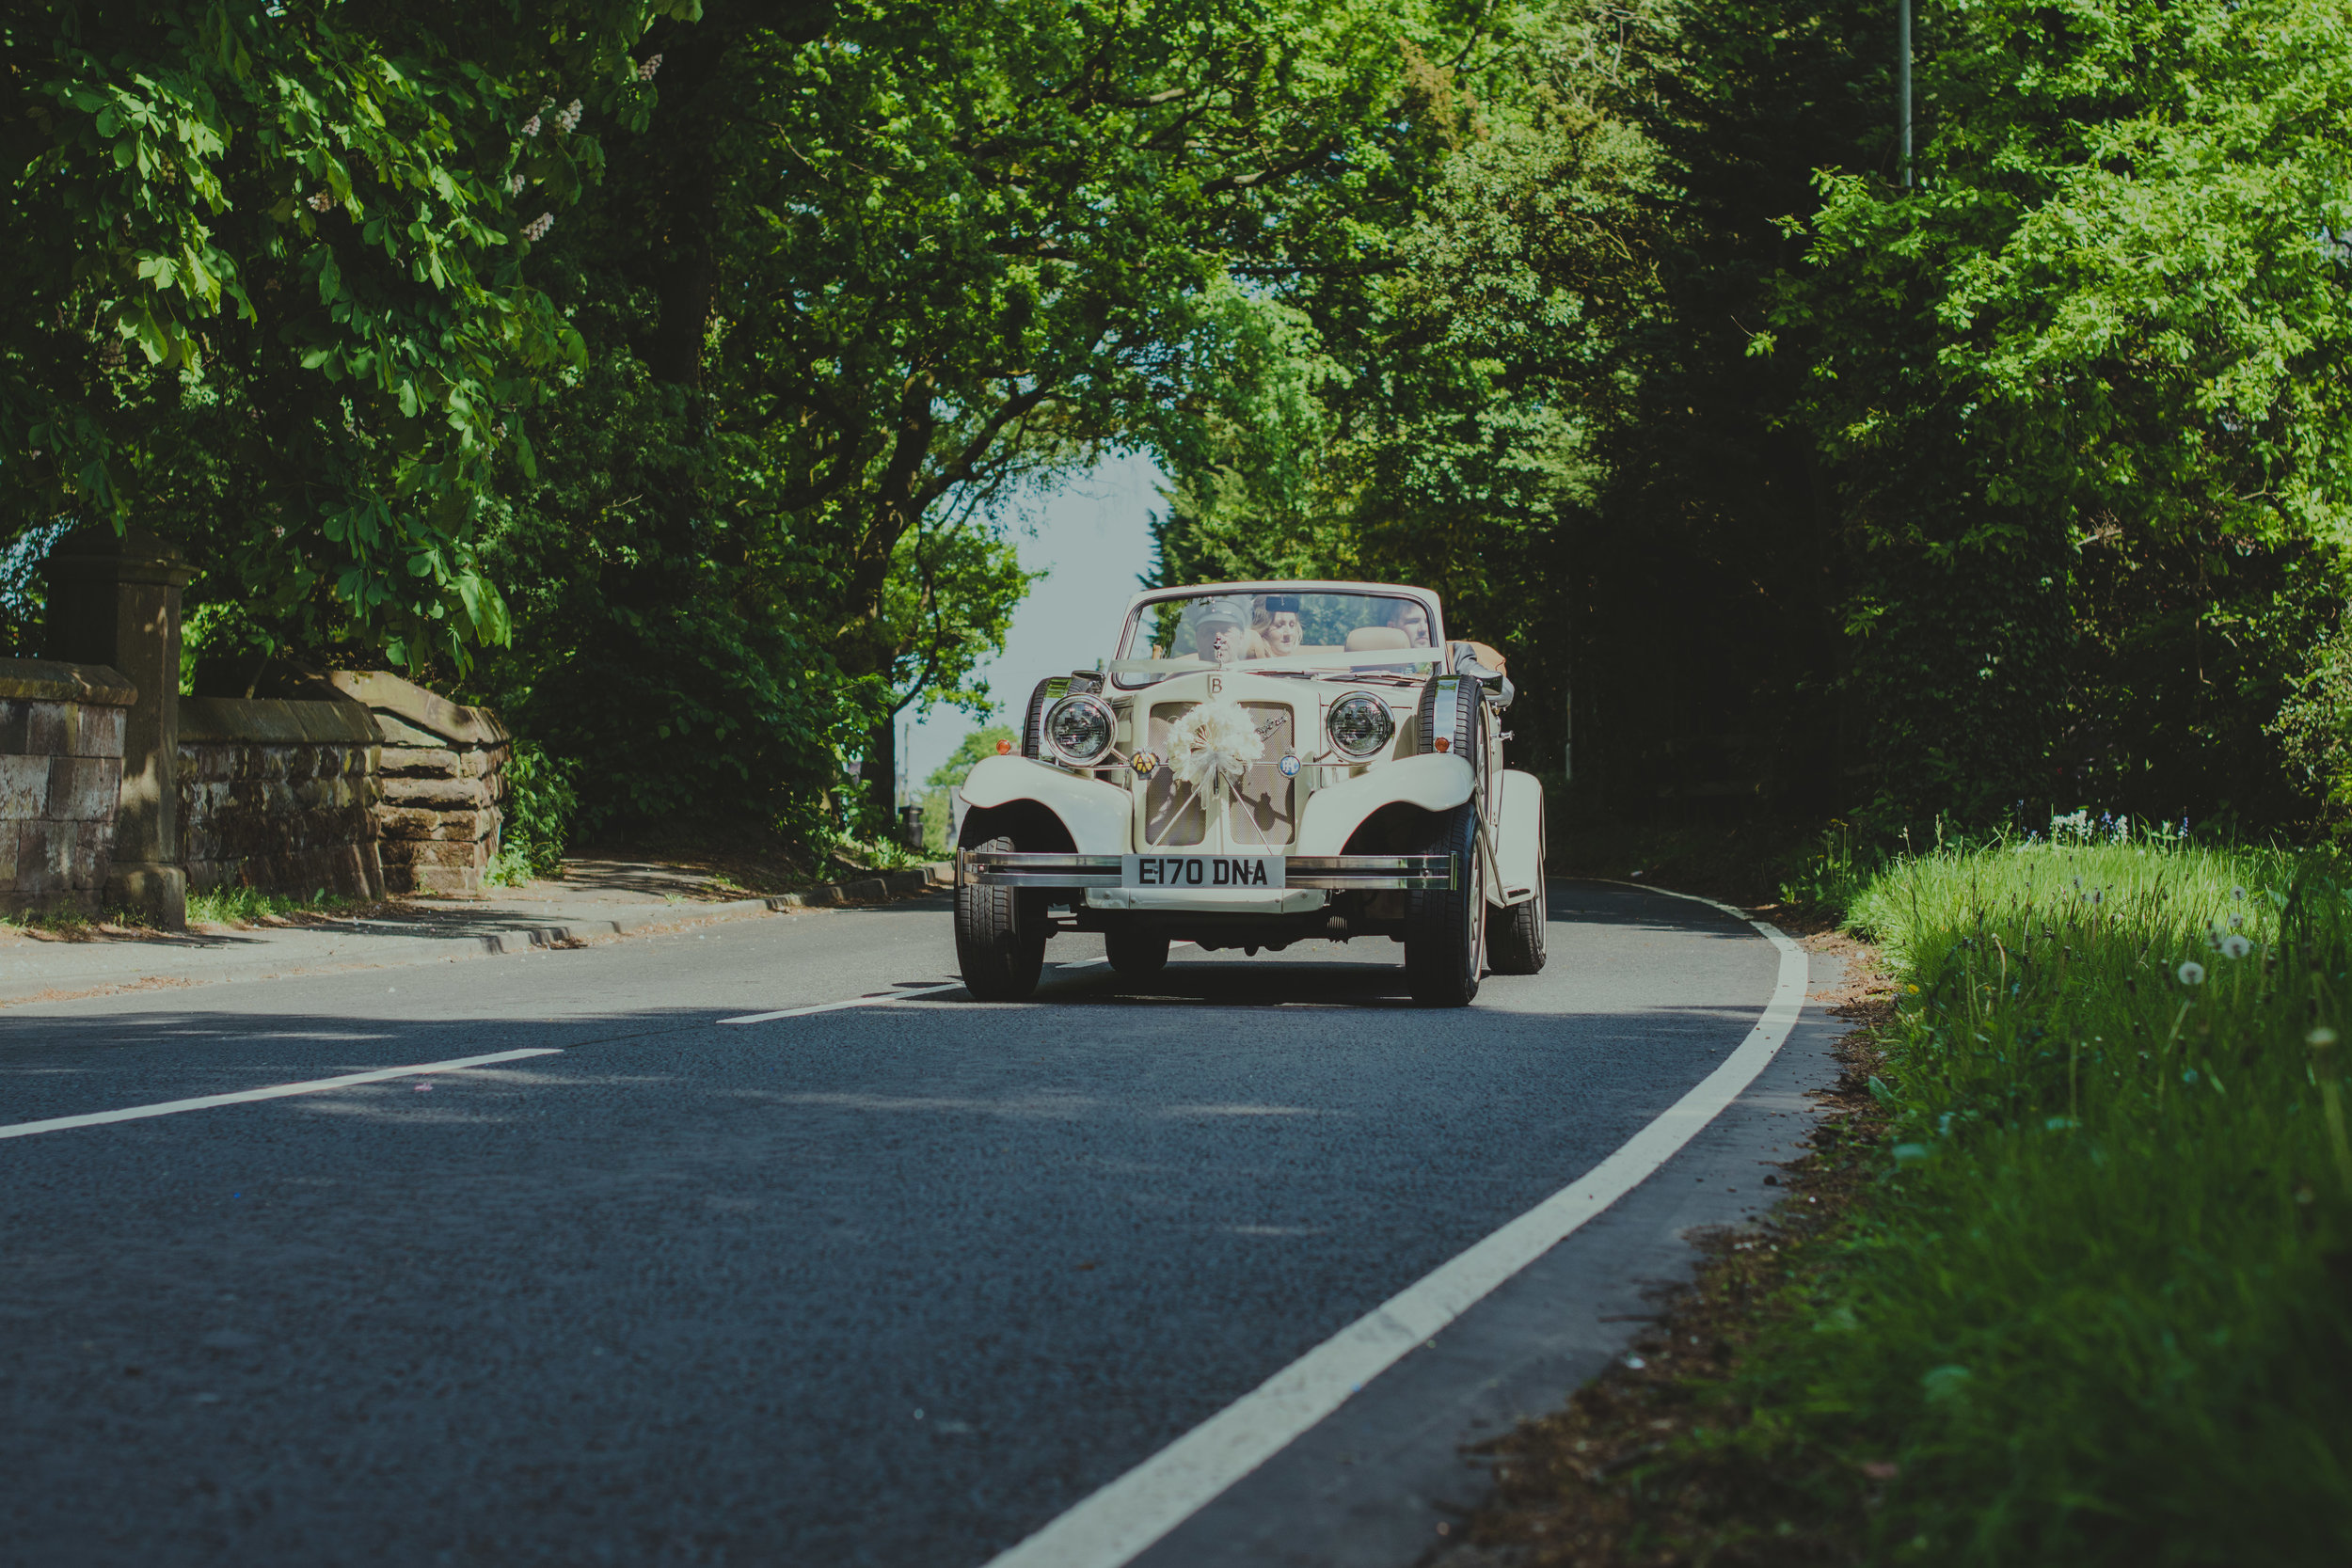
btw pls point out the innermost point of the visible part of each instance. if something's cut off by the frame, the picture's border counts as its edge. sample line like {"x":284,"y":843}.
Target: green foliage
{"x":2094,"y":1311}
{"x":266,"y":294}
{"x":938,"y":808}
{"x":541,"y":800}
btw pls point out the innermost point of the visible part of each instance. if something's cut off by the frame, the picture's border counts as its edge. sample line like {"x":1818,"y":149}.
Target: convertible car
{"x":1261,"y":762}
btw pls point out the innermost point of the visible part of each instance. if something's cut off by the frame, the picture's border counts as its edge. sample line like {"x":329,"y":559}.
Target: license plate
{"x":1203,"y":871}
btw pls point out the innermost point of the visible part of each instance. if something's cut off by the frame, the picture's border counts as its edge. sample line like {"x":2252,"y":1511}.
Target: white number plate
{"x":1203,"y":871}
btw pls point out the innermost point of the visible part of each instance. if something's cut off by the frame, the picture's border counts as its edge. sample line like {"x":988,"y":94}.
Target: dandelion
{"x":322,"y":201}
{"x":653,"y":63}
{"x":2097,"y":896}
{"x":2237,"y":893}
{"x":2192,"y":973}
{"x":2235,"y":946}
{"x":2236,"y":921}
{"x":531,"y":126}
{"x":569,"y":118}
{"x":2078,"y":885}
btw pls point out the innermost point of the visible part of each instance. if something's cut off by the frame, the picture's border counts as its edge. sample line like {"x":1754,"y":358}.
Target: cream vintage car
{"x":1264,"y":763}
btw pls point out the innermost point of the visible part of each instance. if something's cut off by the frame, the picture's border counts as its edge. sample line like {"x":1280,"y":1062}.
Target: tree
{"x":265,"y":294}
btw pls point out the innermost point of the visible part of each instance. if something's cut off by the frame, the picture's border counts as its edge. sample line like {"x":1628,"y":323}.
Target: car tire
{"x":1445,"y":928}
{"x":1137,"y":955}
{"x":1000,"y":937}
{"x":1047,"y":693}
{"x":1515,"y":934}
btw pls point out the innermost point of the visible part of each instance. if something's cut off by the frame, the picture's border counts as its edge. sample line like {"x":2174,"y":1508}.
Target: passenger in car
{"x":1407,"y":616}
{"x":1277,"y":630}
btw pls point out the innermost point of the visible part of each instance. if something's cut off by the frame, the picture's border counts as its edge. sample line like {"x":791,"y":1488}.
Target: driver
{"x":1279,"y":629}
{"x":1219,"y":629}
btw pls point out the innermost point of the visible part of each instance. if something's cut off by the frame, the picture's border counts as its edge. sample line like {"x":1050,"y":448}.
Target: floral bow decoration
{"x":1216,"y":740}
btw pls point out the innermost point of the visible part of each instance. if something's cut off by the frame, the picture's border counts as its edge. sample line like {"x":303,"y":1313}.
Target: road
{"x":891,"y":1284}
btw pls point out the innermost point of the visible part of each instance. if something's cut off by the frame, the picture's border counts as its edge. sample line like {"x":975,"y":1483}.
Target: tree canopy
{"x":672,"y":375}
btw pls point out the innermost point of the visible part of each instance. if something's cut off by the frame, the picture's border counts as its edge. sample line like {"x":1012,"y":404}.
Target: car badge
{"x":1145,"y":764}
{"x":1290,"y":766}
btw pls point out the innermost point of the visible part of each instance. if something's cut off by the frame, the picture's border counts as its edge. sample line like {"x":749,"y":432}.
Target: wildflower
{"x":569,"y":118}
{"x":537,"y":228}
{"x":2192,"y":973}
{"x":2078,"y":885}
{"x":2320,"y":1038}
{"x":322,"y":201}
{"x":2236,"y":921}
{"x":2097,"y":896}
{"x":2235,"y":946}
{"x":2237,"y":893}
{"x":515,"y":183}
{"x":531,"y":126}
{"x":653,"y":63}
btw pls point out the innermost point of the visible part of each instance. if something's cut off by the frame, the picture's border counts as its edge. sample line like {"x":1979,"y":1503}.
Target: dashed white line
{"x":877,"y":998}
{"x":277,"y":1091}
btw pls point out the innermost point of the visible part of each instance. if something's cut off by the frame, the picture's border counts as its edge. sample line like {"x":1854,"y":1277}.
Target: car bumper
{"x":1330,"y":873}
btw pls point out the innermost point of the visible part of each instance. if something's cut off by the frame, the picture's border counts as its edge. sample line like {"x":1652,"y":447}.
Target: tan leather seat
{"x":1376,"y":640}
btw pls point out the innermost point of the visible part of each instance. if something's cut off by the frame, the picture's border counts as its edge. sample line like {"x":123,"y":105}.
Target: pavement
{"x":892,"y":1283}
{"x":595,"y":900}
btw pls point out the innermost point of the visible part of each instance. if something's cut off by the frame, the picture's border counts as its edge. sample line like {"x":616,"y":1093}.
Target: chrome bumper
{"x":1334,"y":873}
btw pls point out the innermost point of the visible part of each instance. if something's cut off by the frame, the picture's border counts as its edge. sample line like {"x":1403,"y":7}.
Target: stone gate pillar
{"x":113,"y":599}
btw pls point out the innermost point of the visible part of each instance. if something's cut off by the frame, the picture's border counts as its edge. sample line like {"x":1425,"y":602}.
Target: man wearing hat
{"x":1220,"y":625}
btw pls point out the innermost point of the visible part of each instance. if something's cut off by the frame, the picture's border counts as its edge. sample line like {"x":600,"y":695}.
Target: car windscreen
{"x":1298,"y":633}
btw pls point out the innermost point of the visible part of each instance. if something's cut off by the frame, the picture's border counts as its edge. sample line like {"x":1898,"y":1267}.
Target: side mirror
{"x":1493,"y":683}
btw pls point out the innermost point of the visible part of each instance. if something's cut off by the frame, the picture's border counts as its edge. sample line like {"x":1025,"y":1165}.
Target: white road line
{"x":316,"y":1086}
{"x":1123,"y":1519}
{"x":877,"y":998}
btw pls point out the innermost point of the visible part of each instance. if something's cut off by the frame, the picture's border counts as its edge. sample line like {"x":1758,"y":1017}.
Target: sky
{"x":1093,"y":536}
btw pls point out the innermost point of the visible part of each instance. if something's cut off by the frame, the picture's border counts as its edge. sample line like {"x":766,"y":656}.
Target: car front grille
{"x":1266,"y":804}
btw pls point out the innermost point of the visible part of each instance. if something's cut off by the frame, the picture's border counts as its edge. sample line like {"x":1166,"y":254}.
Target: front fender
{"x":1434,"y":782}
{"x":1097,"y":815}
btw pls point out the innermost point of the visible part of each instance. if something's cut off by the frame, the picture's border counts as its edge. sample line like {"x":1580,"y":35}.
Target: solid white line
{"x":316,"y":1086}
{"x":1118,"y":1522}
{"x":878,"y":997}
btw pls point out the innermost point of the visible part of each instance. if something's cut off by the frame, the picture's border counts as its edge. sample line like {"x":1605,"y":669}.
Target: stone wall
{"x":444,"y":777}
{"x":61,"y":730}
{"x":279,"y":796}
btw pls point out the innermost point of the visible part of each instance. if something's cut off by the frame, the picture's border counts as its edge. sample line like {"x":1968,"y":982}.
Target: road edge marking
{"x":1127,"y":1517}
{"x":277,"y":1091}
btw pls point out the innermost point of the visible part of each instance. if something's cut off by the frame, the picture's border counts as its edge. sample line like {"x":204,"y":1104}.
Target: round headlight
{"x":1079,"y":730}
{"x":1359,"y":724}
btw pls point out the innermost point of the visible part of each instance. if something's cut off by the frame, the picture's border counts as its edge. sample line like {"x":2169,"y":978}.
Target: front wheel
{"x":1000,"y":938}
{"x":1445,"y":928}
{"x":1136,"y":955}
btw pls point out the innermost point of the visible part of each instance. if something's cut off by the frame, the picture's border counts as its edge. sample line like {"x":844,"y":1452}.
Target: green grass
{"x":2100,"y":1308}
{"x":246,"y":906}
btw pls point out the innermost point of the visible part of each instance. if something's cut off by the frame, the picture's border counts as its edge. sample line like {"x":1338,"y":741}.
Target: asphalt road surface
{"x":892,"y":1284}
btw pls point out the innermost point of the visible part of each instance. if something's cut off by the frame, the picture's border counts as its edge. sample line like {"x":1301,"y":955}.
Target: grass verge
{"x":2075,"y":1281}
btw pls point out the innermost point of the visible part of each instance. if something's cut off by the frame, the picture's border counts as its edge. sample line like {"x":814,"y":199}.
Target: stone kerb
{"x":280,"y":796}
{"x":443,"y":781}
{"x":61,"y":735}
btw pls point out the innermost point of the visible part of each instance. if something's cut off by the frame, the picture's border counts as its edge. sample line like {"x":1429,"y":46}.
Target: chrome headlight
{"x":1359,"y":724}
{"x":1079,"y":730}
